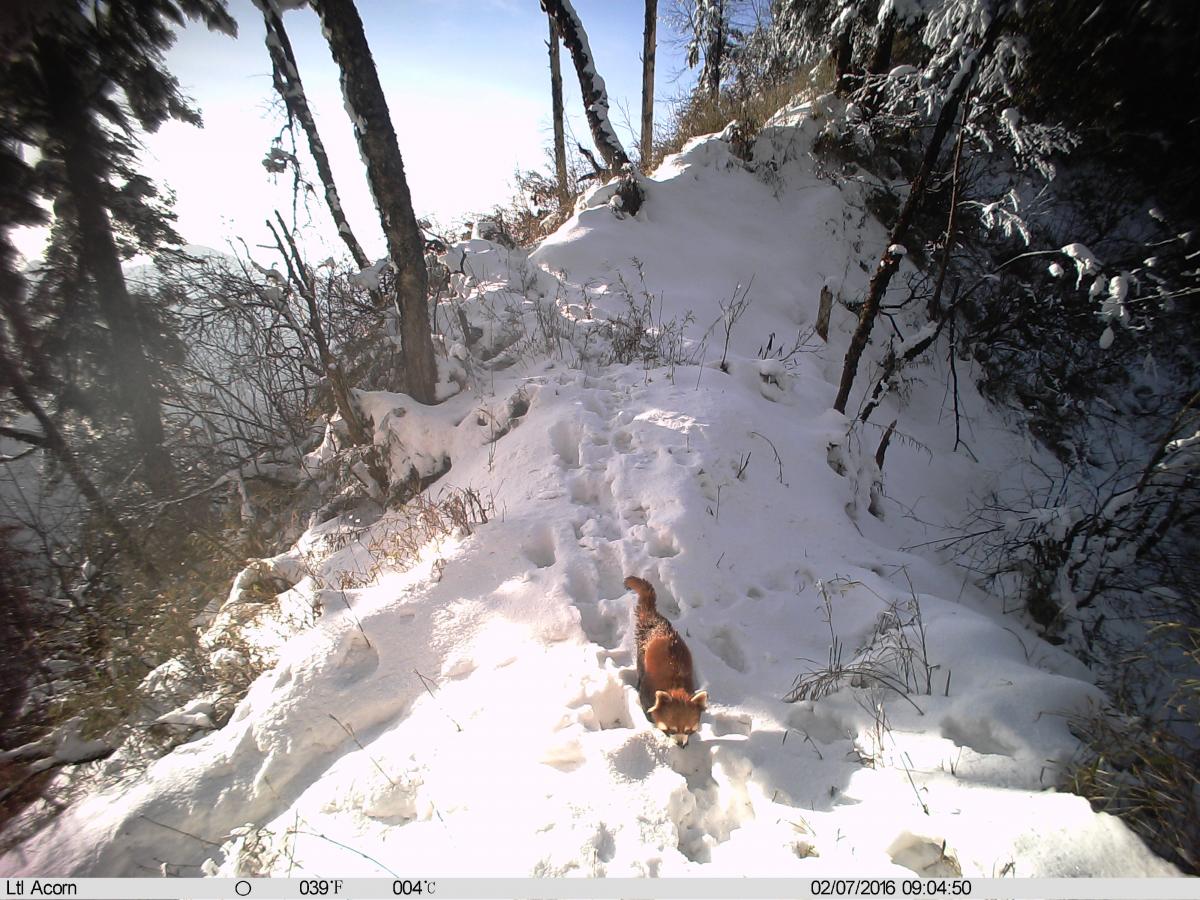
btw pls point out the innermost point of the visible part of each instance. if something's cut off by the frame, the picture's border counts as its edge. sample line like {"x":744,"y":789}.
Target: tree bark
{"x":288,"y":85}
{"x":79,"y":142}
{"x":890,"y":261}
{"x":649,"y":47}
{"x":556,"y":102}
{"x":385,"y":172}
{"x":591,"y":85}
{"x":714,"y":54}
{"x":843,"y":60}
{"x":881,"y":58}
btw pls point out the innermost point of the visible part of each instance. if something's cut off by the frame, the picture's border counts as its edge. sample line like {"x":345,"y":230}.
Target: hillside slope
{"x":474,"y":712}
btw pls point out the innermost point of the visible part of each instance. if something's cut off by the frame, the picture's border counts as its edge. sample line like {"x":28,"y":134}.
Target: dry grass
{"x":698,"y":115}
{"x":407,"y":533}
{"x":1144,"y":768}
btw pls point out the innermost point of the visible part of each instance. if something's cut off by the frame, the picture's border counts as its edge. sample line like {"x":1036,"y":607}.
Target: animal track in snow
{"x":633,"y":759}
{"x":590,"y":489}
{"x":727,"y":649}
{"x":667,"y":604}
{"x":604,"y":702}
{"x":976,"y":735}
{"x":723,"y":724}
{"x":661,"y":545}
{"x":716,"y":781}
{"x":599,"y":627}
{"x":635,"y":514}
{"x":564,"y":439}
{"x":539,"y":548}
{"x":609,"y":575}
{"x":358,"y":660}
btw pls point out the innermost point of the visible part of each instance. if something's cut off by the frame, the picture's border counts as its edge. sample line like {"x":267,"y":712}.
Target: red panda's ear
{"x":659,"y":697}
{"x":700,"y":698}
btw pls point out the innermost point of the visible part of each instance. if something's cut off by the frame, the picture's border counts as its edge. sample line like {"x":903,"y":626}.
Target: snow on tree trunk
{"x":556,"y":101}
{"x":591,"y":85}
{"x":649,"y":45}
{"x":376,"y":138}
{"x":288,"y":85}
{"x":714,"y":51}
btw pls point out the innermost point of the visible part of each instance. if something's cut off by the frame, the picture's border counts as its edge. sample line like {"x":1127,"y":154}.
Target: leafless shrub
{"x":641,"y":334}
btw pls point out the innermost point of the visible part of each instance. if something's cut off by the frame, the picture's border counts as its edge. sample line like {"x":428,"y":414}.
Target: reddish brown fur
{"x":666,"y":677}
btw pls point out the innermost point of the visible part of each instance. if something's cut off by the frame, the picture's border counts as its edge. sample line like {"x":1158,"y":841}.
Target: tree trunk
{"x":649,"y":46}
{"x":591,"y":85}
{"x":843,"y":60}
{"x":890,"y":260}
{"x":714,"y":55}
{"x":881,"y":58}
{"x":556,"y":102}
{"x":80,"y":145}
{"x":286,"y":76}
{"x":385,"y":172}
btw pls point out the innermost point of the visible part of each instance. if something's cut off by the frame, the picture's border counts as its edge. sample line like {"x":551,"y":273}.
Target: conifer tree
{"x":76,"y":83}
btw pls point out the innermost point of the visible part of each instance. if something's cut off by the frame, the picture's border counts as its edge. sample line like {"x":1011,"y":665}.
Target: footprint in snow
{"x":564,"y":440}
{"x":727,"y":649}
{"x":539,"y":548}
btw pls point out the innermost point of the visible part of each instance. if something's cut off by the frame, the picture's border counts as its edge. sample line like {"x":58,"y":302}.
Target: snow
{"x":477,"y":691}
{"x":369,"y":278}
{"x":1085,"y":262}
{"x":1113,"y":308}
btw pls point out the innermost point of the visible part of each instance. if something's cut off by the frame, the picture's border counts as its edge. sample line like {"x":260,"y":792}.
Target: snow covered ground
{"x":474,"y":712}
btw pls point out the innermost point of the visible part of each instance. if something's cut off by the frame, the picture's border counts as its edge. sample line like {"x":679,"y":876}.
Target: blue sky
{"x":468,"y":87}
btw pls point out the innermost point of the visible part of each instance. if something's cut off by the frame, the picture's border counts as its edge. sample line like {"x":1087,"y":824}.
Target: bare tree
{"x":591,"y":85}
{"x":649,"y":45}
{"x":890,"y":261}
{"x":385,"y":173}
{"x":286,"y":76}
{"x":556,"y":100}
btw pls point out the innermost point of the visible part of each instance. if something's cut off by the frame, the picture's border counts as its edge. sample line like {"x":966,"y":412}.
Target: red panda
{"x":666,"y":679}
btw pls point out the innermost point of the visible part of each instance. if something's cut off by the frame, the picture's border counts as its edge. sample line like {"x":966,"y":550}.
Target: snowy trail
{"x":474,"y":713}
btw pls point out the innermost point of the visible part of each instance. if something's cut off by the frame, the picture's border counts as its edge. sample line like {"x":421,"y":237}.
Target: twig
{"x":365,"y":856}
{"x":350,"y":731}
{"x":180,"y":831}
{"x":425,"y":681}
{"x":778,"y":459}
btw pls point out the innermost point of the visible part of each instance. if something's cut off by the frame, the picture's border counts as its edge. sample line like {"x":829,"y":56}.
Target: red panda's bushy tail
{"x":646,"y":596}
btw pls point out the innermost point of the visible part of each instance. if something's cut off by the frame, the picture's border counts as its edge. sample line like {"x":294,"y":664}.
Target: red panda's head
{"x":676,"y":714}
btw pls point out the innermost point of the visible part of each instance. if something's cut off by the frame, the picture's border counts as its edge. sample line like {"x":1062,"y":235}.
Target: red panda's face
{"x":678,"y":717}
